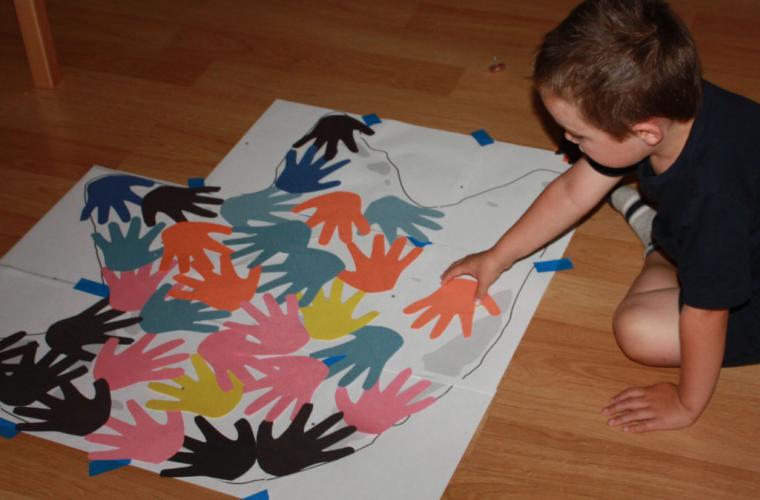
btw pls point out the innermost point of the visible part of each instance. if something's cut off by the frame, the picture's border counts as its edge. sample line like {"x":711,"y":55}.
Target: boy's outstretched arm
{"x":568,"y":198}
{"x":702,"y":334}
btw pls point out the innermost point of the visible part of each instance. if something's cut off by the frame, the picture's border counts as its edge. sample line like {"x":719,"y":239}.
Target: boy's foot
{"x":639,"y":215}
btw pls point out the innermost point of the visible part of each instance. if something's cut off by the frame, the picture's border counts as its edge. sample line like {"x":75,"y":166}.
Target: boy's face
{"x":596,"y":144}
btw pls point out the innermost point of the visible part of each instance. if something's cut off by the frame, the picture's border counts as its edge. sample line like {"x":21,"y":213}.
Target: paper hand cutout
{"x":74,"y":414}
{"x":160,"y":315}
{"x":298,"y":448}
{"x":218,"y":456}
{"x":392,"y":213}
{"x":376,"y":411}
{"x":331,"y":318}
{"x":224,"y":291}
{"x":337,"y":211}
{"x":129,"y":251}
{"x":380,"y":271}
{"x":261,"y":206}
{"x":455,"y":298}
{"x":202,"y":396}
{"x":370,"y":349}
{"x":333,"y":130}
{"x":189,"y":241}
{"x":174,"y":201}
{"x":289,"y":379}
{"x":304,"y":176}
{"x":227,"y":353}
{"x":112,"y":192}
{"x":131,"y":289}
{"x":69,"y":336}
{"x":136,"y":364}
{"x":307,"y":270}
{"x":286,"y":237}
{"x":8,"y":352}
{"x":30,"y":380}
{"x":146,"y":440}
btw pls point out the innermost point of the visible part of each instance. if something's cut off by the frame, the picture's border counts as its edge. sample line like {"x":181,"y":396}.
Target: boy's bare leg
{"x":646,"y":321}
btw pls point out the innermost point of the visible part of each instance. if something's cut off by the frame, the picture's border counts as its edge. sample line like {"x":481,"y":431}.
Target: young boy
{"x":622,"y":77}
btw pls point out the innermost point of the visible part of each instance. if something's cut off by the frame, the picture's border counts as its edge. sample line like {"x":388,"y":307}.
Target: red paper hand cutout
{"x":224,"y":291}
{"x":189,"y":241}
{"x":455,"y":298}
{"x":376,"y":411}
{"x":340,"y":210}
{"x":380,"y":271}
{"x":131,"y":289}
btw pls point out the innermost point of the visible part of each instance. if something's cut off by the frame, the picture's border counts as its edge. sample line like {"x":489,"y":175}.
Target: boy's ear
{"x":648,"y":131}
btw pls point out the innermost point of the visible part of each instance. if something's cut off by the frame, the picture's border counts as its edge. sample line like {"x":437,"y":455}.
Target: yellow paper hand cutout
{"x":202,"y":396}
{"x":328,"y":318}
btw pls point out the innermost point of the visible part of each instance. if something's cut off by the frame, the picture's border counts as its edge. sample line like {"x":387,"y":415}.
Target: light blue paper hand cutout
{"x":160,"y":315}
{"x":306,"y":270}
{"x":304,"y":176}
{"x":129,"y":251}
{"x":392,"y":213}
{"x":289,"y":236}
{"x":370,"y":349}
{"x":112,"y":191}
{"x":261,"y":206}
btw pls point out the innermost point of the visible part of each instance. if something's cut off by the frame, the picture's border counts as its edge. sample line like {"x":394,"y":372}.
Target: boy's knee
{"x":629,"y":325}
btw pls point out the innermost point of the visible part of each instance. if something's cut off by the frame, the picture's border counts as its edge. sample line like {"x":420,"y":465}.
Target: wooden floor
{"x":166,"y":87}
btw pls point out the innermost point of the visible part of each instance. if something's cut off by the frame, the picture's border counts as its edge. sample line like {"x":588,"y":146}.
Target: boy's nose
{"x":571,"y":138}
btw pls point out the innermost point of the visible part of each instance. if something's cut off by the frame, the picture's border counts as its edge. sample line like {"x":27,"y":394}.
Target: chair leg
{"x":40,"y":50}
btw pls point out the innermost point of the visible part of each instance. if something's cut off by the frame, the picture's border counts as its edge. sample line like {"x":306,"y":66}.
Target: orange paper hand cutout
{"x":225,"y":291}
{"x":380,"y":271}
{"x":340,"y":210}
{"x":455,"y":298}
{"x":188,"y":241}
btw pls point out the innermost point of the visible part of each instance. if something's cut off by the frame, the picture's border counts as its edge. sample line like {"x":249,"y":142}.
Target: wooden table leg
{"x":40,"y":50}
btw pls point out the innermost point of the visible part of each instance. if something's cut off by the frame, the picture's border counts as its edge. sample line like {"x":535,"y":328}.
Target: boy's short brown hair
{"x":621,"y":62}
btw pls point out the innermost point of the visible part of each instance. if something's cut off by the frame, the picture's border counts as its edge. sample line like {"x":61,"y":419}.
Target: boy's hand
{"x":653,"y":408}
{"x":482,"y":265}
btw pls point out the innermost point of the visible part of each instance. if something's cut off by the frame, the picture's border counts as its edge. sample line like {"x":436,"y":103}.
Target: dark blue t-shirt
{"x":708,"y":210}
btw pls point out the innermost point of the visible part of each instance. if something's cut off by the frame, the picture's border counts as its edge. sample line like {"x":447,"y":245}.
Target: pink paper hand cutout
{"x":289,"y":379}
{"x":131,"y":289}
{"x":339,"y":210}
{"x":189,"y":241}
{"x":146,"y":440}
{"x":282,"y":332}
{"x":376,"y":411}
{"x":380,"y":271}
{"x":229,"y":352}
{"x":455,"y":298}
{"x":224,"y":291}
{"x":135,"y":364}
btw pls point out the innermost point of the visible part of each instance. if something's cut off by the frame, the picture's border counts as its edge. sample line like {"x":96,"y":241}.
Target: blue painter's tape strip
{"x":417,"y":242}
{"x":92,"y":287}
{"x":553,"y":265}
{"x":261,"y":495}
{"x":196,"y":182}
{"x":371,"y":119}
{"x":482,"y":137}
{"x":103,"y":466}
{"x":7,"y":428}
{"x":333,"y":360}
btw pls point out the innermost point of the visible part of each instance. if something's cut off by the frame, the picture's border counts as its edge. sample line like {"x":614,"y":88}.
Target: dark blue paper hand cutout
{"x":392,"y":213}
{"x":370,"y":349}
{"x":304,"y":176}
{"x":261,"y":206}
{"x":306,"y":270}
{"x":289,"y":236}
{"x":130,"y":251}
{"x":160,"y":315}
{"x":112,"y":192}
{"x":333,"y":130}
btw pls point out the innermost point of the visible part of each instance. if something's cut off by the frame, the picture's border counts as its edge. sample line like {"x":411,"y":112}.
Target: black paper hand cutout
{"x":173,"y":201}
{"x":74,"y":414}
{"x":218,"y":456}
{"x":28,"y":381}
{"x":6,"y":353}
{"x":298,"y":448}
{"x":332,"y":130}
{"x":68,"y":336}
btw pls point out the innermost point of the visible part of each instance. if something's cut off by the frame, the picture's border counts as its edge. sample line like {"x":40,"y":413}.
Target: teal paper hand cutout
{"x":306,"y":270}
{"x":304,"y":176}
{"x":370,"y":349}
{"x":261,"y":206}
{"x":160,"y":315}
{"x":289,"y":236}
{"x":129,"y":251}
{"x":392,"y":213}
